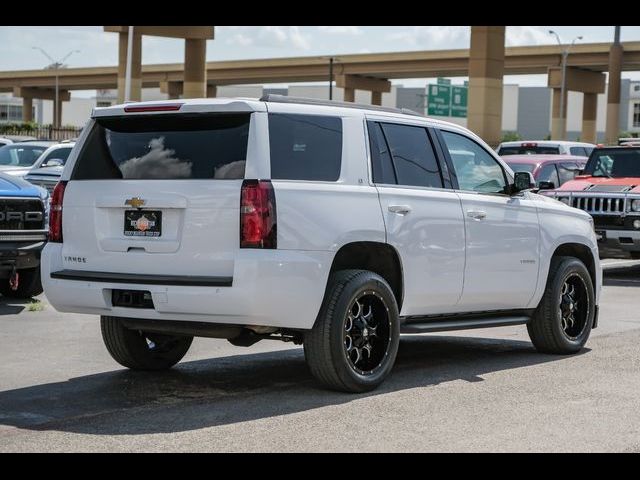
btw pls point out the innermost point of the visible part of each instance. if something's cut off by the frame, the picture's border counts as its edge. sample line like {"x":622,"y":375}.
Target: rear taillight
{"x":257,"y":215}
{"x":55,"y":213}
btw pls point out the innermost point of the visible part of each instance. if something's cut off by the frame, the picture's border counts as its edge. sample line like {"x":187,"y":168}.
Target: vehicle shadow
{"x":241,"y":388}
{"x":622,"y":277}
{"x":11,"y":306}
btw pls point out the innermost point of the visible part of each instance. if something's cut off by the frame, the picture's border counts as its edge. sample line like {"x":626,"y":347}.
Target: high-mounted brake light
{"x":257,"y":215}
{"x":531,"y":144}
{"x":153,"y":108}
{"x":55,"y":213}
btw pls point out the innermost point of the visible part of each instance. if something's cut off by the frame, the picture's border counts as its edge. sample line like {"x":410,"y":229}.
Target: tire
{"x":635,"y":255}
{"x":549,"y":329}
{"x":358,"y":309}
{"x":139,"y":350}
{"x":29,"y":284}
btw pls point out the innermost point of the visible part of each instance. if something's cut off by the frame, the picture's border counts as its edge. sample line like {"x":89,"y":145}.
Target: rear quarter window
{"x":159,"y":147}
{"x":305,"y":147}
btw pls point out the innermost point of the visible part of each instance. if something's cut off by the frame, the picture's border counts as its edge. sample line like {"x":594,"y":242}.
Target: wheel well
{"x":380,"y":258}
{"x":581,"y":252}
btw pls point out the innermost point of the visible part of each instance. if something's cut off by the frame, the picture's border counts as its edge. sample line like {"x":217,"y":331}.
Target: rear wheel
{"x":139,"y":350}
{"x":563,"y":320}
{"x":353,"y":344}
{"x":28,"y":284}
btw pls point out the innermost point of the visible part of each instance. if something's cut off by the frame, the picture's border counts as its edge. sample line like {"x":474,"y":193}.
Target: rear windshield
{"x":537,"y":150}
{"x":146,"y":147}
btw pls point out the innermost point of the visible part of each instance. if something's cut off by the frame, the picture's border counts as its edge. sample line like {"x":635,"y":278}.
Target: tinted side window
{"x":381,"y":165}
{"x":413,"y":156}
{"x":305,"y":147}
{"x":567,"y":171}
{"x":548,"y":173}
{"x":475,"y":168}
{"x":579,"y":151}
{"x":59,"y":153}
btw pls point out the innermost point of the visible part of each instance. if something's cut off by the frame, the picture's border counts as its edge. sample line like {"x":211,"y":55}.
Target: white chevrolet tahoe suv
{"x":333,"y":225}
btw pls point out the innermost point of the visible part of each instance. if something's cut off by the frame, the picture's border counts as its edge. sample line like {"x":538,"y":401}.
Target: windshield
{"x":522,"y":167}
{"x":529,"y":150}
{"x":20,"y":155}
{"x":614,"y":163}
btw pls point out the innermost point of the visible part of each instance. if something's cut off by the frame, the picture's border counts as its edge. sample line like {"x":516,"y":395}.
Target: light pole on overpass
{"x":565,"y":54}
{"x":56,"y":65}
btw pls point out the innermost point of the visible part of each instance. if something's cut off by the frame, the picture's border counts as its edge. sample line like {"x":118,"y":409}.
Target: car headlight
{"x":635,"y":205}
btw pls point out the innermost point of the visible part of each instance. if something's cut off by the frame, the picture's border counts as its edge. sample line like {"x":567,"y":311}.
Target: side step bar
{"x":443,"y":325}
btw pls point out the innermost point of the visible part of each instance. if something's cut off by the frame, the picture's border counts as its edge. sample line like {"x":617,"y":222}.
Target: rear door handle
{"x":400,"y":209}
{"x":477,"y":214}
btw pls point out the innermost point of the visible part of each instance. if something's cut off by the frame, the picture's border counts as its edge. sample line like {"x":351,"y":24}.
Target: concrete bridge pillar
{"x":136,"y":65}
{"x":486,"y":69}
{"x":589,"y":112}
{"x":27,"y":109}
{"x":613,"y":94}
{"x":558,"y":123}
{"x":351,"y":83}
{"x":195,"y":73}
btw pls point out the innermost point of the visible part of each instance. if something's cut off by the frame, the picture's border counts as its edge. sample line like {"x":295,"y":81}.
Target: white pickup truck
{"x":333,"y":225}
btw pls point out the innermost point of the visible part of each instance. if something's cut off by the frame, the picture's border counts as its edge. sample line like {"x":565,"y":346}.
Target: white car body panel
{"x":502,"y":251}
{"x":451,"y":263}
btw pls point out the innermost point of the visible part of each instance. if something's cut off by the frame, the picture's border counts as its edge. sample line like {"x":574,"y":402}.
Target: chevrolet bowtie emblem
{"x":135,"y":202}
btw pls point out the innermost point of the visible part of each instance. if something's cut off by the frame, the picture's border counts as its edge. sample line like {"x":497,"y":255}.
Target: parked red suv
{"x":609,"y":189}
{"x":549,"y":171}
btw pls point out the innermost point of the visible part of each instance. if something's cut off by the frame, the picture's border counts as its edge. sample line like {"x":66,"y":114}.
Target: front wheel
{"x":353,"y":344}
{"x":139,"y":350}
{"x":562,"y":322}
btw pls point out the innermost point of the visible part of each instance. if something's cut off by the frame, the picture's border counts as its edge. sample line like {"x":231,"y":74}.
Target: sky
{"x":98,"y":48}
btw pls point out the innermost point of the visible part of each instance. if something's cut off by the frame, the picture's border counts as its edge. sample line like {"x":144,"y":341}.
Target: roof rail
{"x":274,"y":98}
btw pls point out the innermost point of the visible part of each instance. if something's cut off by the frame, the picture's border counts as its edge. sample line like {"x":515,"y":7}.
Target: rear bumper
{"x":19,"y":255}
{"x":618,"y":242}
{"x":275,"y":288}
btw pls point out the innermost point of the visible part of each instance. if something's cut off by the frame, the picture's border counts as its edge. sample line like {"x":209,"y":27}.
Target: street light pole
{"x":565,"y":55}
{"x":57,"y":117}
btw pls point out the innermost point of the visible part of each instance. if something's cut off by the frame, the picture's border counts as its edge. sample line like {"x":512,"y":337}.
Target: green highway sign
{"x":439,"y":100}
{"x":459,"y":102}
{"x":445,"y":100}
{"x":444,"y":81}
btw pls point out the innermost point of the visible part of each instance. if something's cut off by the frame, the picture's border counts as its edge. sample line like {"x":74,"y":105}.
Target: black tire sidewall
{"x":360,"y":284}
{"x":565,"y":269}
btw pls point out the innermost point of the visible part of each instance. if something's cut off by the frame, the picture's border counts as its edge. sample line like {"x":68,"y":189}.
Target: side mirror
{"x":54,"y":162}
{"x":522,"y":181}
{"x":546,"y":185}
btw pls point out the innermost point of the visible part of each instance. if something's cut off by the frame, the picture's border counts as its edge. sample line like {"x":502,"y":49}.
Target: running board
{"x":435,"y":325}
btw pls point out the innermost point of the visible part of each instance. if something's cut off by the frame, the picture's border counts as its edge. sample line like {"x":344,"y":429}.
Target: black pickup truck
{"x":23,"y":234}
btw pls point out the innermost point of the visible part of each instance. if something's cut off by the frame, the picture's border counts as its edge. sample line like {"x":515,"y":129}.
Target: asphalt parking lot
{"x":479,"y":390}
